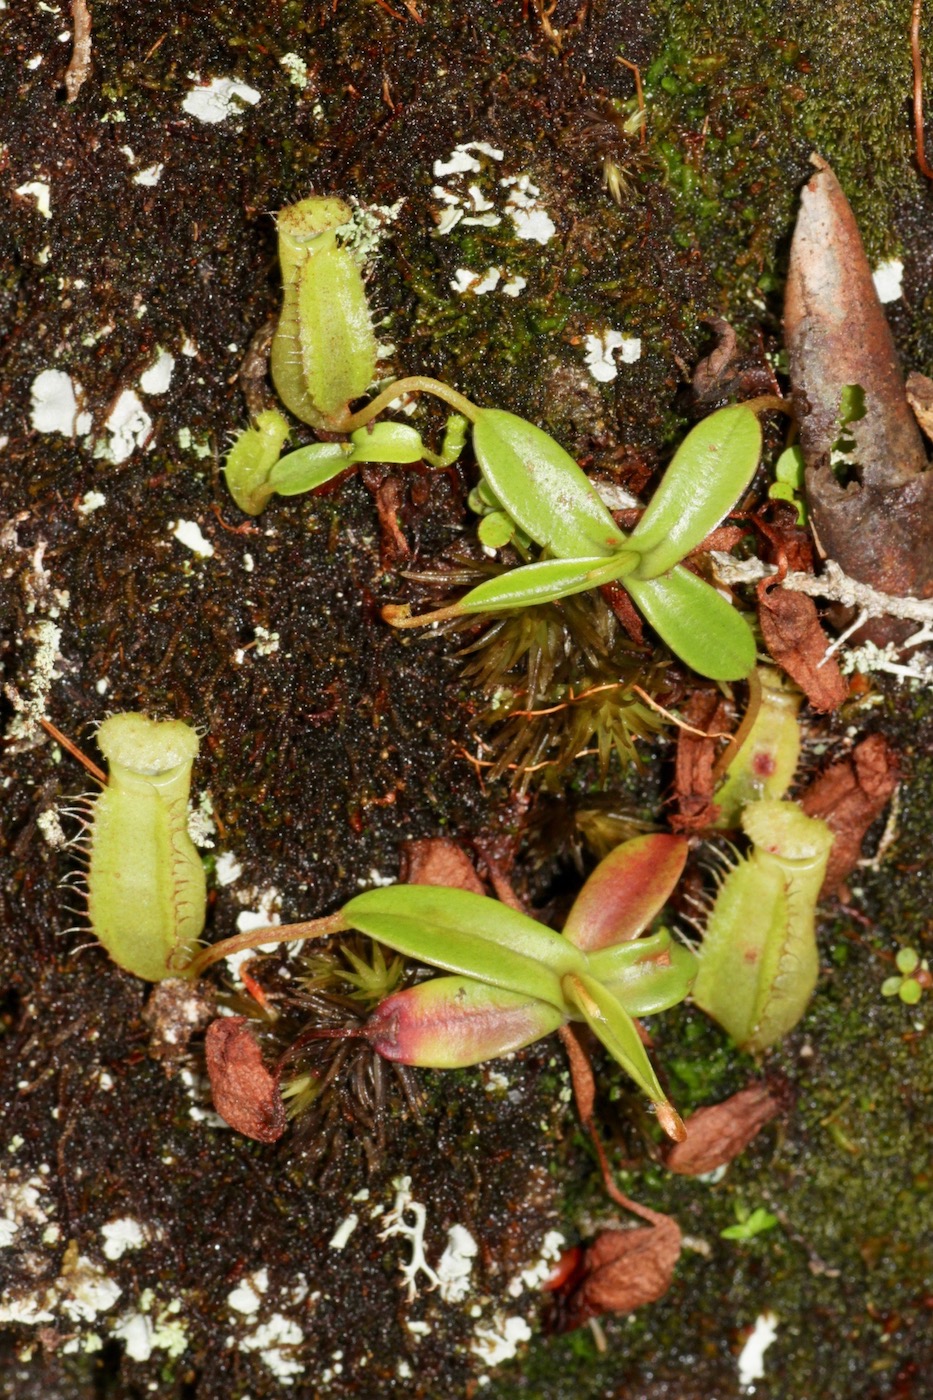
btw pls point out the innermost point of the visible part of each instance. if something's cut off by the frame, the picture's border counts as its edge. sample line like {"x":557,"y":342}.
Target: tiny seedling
{"x":513,"y":979}
{"x":788,"y":484}
{"x":913,"y":977}
{"x":749,"y":1224}
{"x":758,"y":963}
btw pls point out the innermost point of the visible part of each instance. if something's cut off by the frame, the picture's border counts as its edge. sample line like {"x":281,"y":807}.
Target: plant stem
{"x":414,"y":384}
{"x":314,"y":928}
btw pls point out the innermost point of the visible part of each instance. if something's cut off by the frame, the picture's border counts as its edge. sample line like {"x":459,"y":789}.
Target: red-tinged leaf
{"x":437,"y":860}
{"x":245,"y":1094}
{"x":849,"y":796}
{"x":792,"y":633}
{"x":626,"y":891}
{"x":720,"y":1132}
{"x":623,"y":1270}
{"x":452,"y":1022}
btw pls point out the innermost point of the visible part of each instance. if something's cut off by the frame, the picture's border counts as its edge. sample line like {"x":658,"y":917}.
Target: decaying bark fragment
{"x":729,"y":372}
{"x":878,"y":527}
{"x":920,"y":398}
{"x":848,"y":797}
{"x":721,"y":1131}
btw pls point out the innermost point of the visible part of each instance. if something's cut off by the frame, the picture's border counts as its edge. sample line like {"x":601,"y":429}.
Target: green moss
{"x":738,"y":97}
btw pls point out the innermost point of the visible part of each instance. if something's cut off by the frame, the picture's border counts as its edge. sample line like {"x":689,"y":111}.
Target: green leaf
{"x":545,"y":582}
{"x":542,"y":488}
{"x":309,"y":467}
{"x":697,"y":624}
{"x":252,"y":458}
{"x":495,"y":529}
{"x":626,"y":891}
{"x":907,"y":960}
{"x":387,"y":442}
{"x":708,"y":473}
{"x":617,"y":1031}
{"x":468,"y":934}
{"x":647,"y":975}
{"x":338,"y":347}
{"x":789,"y":467}
{"x":655,"y":985}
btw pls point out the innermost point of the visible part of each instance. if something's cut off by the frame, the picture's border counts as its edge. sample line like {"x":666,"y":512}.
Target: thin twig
{"x":75,"y":752}
{"x":919,"y":143}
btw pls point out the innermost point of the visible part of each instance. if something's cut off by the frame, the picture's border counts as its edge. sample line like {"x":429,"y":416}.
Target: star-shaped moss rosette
{"x":514,"y":980}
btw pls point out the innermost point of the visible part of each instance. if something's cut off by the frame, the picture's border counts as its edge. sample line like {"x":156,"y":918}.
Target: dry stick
{"x":80,"y":64}
{"x":75,"y":752}
{"x":922,"y":161}
{"x":276,"y":933}
{"x":584,"y":1093}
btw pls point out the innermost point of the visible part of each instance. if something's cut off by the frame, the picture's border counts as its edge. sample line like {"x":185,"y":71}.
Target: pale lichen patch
{"x":55,"y":396}
{"x":218,"y":99}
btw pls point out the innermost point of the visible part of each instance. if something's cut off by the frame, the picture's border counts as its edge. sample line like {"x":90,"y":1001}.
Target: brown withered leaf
{"x":245,"y":1094}
{"x":878,"y":526}
{"x":784,"y":543}
{"x":696,"y":757}
{"x":792,"y":633}
{"x":848,"y":797}
{"x":436,"y":860}
{"x":718,"y":1133}
{"x":622,"y":1270}
{"x":731,"y":372}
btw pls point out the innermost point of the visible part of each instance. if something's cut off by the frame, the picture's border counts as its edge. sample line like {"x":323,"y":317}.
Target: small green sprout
{"x":914,"y":977}
{"x":788,"y":484}
{"x":514,"y":980}
{"x":749,"y":1223}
